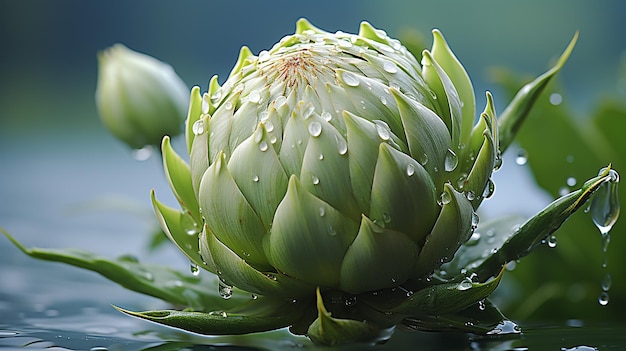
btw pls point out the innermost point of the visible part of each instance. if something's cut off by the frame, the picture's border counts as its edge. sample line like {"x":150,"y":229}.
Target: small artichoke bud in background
{"x":139,"y":98}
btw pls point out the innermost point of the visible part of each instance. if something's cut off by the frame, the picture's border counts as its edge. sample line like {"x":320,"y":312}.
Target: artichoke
{"x":139,"y":98}
{"x":332,"y":188}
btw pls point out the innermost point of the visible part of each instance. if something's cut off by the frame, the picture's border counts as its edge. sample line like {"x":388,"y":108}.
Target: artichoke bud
{"x":139,"y":98}
{"x":332,"y":155}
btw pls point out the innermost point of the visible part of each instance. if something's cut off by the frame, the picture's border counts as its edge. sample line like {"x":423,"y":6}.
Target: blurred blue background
{"x":55,"y":156}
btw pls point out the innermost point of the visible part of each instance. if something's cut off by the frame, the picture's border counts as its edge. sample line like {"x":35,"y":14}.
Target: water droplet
{"x":350,"y":79}
{"x":556,"y":99}
{"x":279,"y":101}
{"x":254,"y":296}
{"x":475,"y":220}
{"x":308,"y":111}
{"x":195,"y":270}
{"x":522,"y":157}
{"x":322,"y":211}
{"x":444,"y":198}
{"x":432,"y":94}
{"x":269,"y":126}
{"x":255,"y":178}
{"x":423,"y":160}
{"x":482,"y":305}
{"x":410,"y":169}
{"x":490,"y":188}
{"x":563,"y":191}
{"x":331,"y":230}
{"x":470,"y":195}
{"x":381,"y":33}
{"x":143,"y":153}
{"x":97,"y":348}
{"x":603,"y":299}
{"x":383,"y":130}
{"x":604,"y":206}
{"x":254,"y":97}
{"x":551,"y":241}
{"x":326,"y":116}
{"x":386,"y":218}
{"x":315,"y":180}
{"x":350,"y":301}
{"x":263,"y":115}
{"x":228,"y":105}
{"x":390,"y":67}
{"x":465,"y":284}
{"x":344,"y":43}
{"x":473,"y":240}
{"x":263,"y":146}
{"x":342,"y":146}
{"x":315,"y":129}
{"x":498,"y":162}
{"x":198,"y":127}
{"x":607,"y":282}
{"x":264,"y":56}
{"x":214,"y":99}
{"x":450,"y":161}
{"x":225,"y":290}
{"x":383,"y":100}
{"x":571,"y":181}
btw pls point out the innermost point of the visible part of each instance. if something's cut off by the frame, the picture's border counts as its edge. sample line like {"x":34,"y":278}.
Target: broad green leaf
{"x":198,"y":292}
{"x":537,"y":228}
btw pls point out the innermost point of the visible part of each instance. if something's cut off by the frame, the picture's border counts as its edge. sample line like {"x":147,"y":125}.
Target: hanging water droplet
{"x":410,"y":169}
{"x":444,"y":198}
{"x":142,"y":154}
{"x":475,"y":220}
{"x":605,"y":203}
{"x":390,"y":67}
{"x":607,"y":282}
{"x":198,"y":127}
{"x":255,"y":178}
{"x":263,"y":146}
{"x":195,"y":270}
{"x":522,"y":157}
{"x":342,"y":146}
{"x":551,"y":241}
{"x":315,"y":128}
{"x":326,"y":116}
{"x":315,"y":180}
{"x":450,"y":161}
{"x":490,"y":188}
{"x":498,"y":161}
{"x":225,"y":290}
{"x":383,"y":130}
{"x":350,"y":79}
{"x":603,"y":299}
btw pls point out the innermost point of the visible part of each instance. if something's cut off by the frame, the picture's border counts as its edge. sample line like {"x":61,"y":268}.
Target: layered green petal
{"x":403,"y":195}
{"x":452,"y":228}
{"x":178,"y":176}
{"x":387,"y":255}
{"x":230,"y":216}
{"x":309,"y":238}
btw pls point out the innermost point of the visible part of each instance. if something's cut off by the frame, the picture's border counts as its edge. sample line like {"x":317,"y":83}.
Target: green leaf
{"x":446,"y":298}
{"x":198,"y":292}
{"x":326,"y":330}
{"x":537,"y":228}
{"x":516,"y":112}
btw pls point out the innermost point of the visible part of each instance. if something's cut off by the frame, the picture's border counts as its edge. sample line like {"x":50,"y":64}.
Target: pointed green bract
{"x":179,"y":177}
{"x":513,"y":116}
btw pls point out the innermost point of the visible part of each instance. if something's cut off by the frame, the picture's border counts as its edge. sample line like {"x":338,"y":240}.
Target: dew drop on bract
{"x":490,"y":188}
{"x":444,"y":198}
{"x":551,"y":241}
{"x":263,"y":146}
{"x":470,"y":195}
{"x":410,"y":169}
{"x":228,"y":105}
{"x":450,"y":161}
{"x":315,"y":180}
{"x":264,"y":55}
{"x":465,"y":284}
{"x":326,"y":116}
{"x":383,"y":130}
{"x":350,"y":79}
{"x":390,"y":67}
{"x":255,"y":178}
{"x":198,"y":127}
{"x":279,"y":101}
{"x":315,"y":129}
{"x":269,"y":126}
{"x":342,"y":146}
